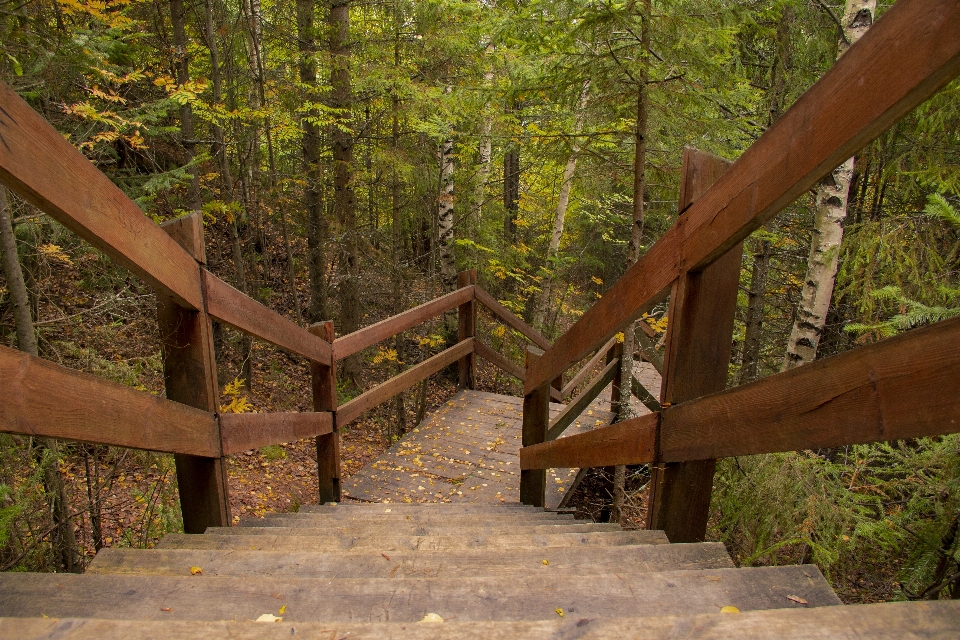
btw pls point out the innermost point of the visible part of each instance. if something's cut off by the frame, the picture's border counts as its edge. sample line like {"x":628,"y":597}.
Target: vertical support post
{"x":536,"y":420}
{"x":467,"y":328}
{"x":324,"y":378}
{"x":617,"y":394}
{"x":699,"y":337}
{"x":190,"y":377}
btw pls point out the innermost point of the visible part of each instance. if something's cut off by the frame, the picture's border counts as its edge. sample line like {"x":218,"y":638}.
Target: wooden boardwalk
{"x":468,"y":452}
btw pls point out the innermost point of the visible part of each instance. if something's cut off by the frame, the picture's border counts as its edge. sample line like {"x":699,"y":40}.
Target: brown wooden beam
{"x":628,"y":442}
{"x":324,"y":385}
{"x":351,"y":343}
{"x":577,"y":406}
{"x":903,"y":387}
{"x":41,"y":166}
{"x":41,"y":398}
{"x":383,"y":392}
{"x":244,"y":431}
{"x":190,"y":377}
{"x":233,"y":308}
{"x":588,"y":368}
{"x":536,"y":419}
{"x":498,"y":360}
{"x":911,"y":52}
{"x":467,"y":328}
{"x":512,"y":319}
{"x":696,"y":359}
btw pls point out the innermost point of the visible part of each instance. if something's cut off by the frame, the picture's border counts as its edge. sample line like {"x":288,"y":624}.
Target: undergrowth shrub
{"x":880,"y":520}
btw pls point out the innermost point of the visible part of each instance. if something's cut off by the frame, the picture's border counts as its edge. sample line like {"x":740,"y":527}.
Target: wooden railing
{"x":40,"y":398}
{"x":901,"y":388}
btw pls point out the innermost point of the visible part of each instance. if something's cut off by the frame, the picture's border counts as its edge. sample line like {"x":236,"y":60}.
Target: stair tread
{"x":374,"y":564}
{"x":531,"y":597}
{"x":887,"y":621}
{"x":408,"y":528}
{"x":436,"y":515}
{"x":280,"y":539}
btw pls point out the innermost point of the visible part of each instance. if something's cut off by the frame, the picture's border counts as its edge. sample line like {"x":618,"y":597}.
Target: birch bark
{"x":448,"y":264}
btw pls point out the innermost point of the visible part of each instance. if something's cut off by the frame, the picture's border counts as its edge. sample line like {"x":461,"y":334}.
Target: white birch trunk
{"x":448,"y":263}
{"x":831,"y":210}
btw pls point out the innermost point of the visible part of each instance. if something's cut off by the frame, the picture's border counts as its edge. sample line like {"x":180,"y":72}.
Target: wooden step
{"x":466,"y":599}
{"x":562,"y":561}
{"x":891,"y":621}
{"x":435,"y":514}
{"x":400,"y":506}
{"x":280,"y":539}
{"x":407,"y":528}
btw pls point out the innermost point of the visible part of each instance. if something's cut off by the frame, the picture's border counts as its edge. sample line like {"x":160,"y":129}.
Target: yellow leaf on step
{"x":546,"y":562}
{"x":729,"y":609}
{"x":283,"y":609}
{"x":269,"y":617}
{"x":195,"y":571}
{"x":559,"y":612}
{"x":431,"y":617}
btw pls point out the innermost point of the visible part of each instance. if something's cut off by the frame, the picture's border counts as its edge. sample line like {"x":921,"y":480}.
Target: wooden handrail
{"x":351,"y":343}
{"x":244,"y":431}
{"x":629,"y":442}
{"x":41,"y":398}
{"x":577,"y":406}
{"x":588,"y":368}
{"x":500,"y":361}
{"x":512,"y":319}
{"x":870,"y":87}
{"x":237,"y":310}
{"x":41,"y":166}
{"x":383,"y":392}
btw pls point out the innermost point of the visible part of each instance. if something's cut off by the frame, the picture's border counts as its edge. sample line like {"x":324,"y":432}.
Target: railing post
{"x":536,"y":420}
{"x":699,"y":337}
{"x":190,"y":377}
{"x":617,"y":394}
{"x":324,"y":378}
{"x":467,"y":328}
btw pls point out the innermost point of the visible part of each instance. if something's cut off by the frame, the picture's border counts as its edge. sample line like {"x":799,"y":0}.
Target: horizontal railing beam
{"x":504,"y":364}
{"x":42,"y":167}
{"x":902,"y":387}
{"x":907,"y":56}
{"x":245,"y":431}
{"x":233,"y":308}
{"x":511,"y":319}
{"x":351,"y":343}
{"x":628,"y":442}
{"x":381,"y":393}
{"x":40,"y":398}
{"x":588,"y":368}
{"x":577,"y":406}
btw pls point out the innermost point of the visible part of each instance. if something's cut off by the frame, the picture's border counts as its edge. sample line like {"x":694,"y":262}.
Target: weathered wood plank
{"x":512,"y":319}
{"x":42,"y":167}
{"x":351,"y":343}
{"x":190,"y":377}
{"x":536,"y":419}
{"x":628,"y":442}
{"x":243,"y":313}
{"x":903,"y":387}
{"x":381,"y":393}
{"x":467,"y":328}
{"x":908,"y":55}
{"x":697,"y":356}
{"x":323,"y":380}
{"x":588,"y":368}
{"x":243,"y":431}
{"x":41,"y":398}
{"x":577,"y":406}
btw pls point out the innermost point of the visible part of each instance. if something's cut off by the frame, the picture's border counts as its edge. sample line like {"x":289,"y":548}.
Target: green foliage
{"x":273,"y":452}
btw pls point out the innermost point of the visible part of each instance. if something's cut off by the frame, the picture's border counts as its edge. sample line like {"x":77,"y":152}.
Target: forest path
{"x":468,"y":451}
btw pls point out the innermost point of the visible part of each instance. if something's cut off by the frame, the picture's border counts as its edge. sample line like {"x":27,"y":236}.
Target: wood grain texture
{"x":628,"y":442}
{"x":577,"y":406}
{"x":41,"y":398}
{"x":511,"y":319}
{"x":588,"y":368}
{"x":323,"y":379}
{"x":536,"y":419}
{"x":243,"y":313}
{"x":908,"y":55}
{"x":243,"y":431}
{"x":351,"y":343}
{"x":467,"y":328}
{"x":903,"y":387}
{"x":41,"y":166}
{"x":381,"y":393}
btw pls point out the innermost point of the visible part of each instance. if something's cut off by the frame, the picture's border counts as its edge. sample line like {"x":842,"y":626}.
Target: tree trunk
{"x":831,"y":210}
{"x":344,"y":203}
{"x":317,"y":228}
{"x":754,"y":319}
{"x":46,"y":451}
{"x":511,"y":190}
{"x":182,"y":67}
{"x":448,"y":263}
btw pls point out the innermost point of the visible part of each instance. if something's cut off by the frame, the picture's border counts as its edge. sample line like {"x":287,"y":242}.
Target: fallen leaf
{"x":546,"y":562}
{"x":729,"y":609}
{"x":431,"y":617}
{"x":798,"y":600}
{"x":269,"y":617}
{"x":386,"y":556}
{"x":195,"y":571}
{"x":167,"y":609}
{"x":559,"y":612}
{"x":283,"y":609}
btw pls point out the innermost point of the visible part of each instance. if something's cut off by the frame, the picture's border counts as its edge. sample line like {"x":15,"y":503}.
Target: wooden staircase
{"x":440,"y":571}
